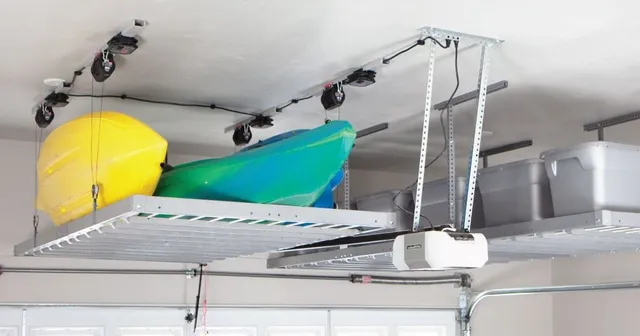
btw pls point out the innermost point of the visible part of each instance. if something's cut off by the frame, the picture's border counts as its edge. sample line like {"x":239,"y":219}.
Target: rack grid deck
{"x":596,"y":232}
{"x":145,"y":228}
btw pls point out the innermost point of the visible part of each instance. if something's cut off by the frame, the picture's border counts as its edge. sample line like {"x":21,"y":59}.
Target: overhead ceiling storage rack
{"x":598,"y":232}
{"x":377,"y":255}
{"x":594,"y":232}
{"x":146,"y":228}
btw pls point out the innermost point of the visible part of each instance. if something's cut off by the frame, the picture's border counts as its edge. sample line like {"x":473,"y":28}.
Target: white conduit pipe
{"x":460,"y":279}
{"x":468,"y":313}
{"x":457,"y":278}
{"x":214,"y":306}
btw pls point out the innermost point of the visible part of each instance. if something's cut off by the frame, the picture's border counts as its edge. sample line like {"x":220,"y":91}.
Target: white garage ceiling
{"x":567,"y":63}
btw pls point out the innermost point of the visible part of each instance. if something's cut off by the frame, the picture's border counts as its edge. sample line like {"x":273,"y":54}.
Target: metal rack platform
{"x":596,"y":232}
{"x":145,"y":228}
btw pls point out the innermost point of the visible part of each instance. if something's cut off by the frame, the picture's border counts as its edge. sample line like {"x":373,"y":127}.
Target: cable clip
{"x":95,"y":189}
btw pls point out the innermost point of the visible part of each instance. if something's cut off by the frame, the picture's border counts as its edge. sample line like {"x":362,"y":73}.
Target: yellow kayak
{"x":119,"y":153}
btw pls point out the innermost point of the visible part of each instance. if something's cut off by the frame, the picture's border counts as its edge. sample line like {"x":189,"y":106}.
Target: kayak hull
{"x":119,"y":153}
{"x":292,"y":171}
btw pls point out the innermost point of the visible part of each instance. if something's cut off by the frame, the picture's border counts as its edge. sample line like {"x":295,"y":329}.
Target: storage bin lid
{"x":589,"y":145}
{"x":519,"y":163}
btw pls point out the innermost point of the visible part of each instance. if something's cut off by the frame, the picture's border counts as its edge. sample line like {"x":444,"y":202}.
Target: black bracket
{"x":373,"y":129}
{"x":602,"y":124}
{"x":465,"y":97}
{"x":484,"y":154}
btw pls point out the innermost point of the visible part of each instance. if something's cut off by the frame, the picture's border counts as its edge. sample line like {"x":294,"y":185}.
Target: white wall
{"x":495,"y":317}
{"x":596,"y":313}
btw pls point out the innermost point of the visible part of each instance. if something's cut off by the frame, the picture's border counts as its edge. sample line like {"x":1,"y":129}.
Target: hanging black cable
{"x":417,"y":43}
{"x":195,"y":321}
{"x":386,"y":60}
{"x":143,"y":100}
{"x":293,"y":101}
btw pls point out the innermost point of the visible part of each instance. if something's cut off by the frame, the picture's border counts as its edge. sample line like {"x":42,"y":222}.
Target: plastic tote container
{"x":435,"y":203}
{"x":594,"y":176}
{"x":515,"y":192}
{"x":383,"y":202}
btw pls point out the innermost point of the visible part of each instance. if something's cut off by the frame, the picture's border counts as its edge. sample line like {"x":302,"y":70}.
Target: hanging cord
{"x":204,"y":303}
{"x":195,"y":321}
{"x":95,"y":187}
{"x":420,"y":42}
{"x":36,"y":216}
{"x":444,"y":133}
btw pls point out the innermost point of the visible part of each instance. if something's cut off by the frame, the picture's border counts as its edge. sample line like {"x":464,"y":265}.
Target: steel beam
{"x":425,"y":136}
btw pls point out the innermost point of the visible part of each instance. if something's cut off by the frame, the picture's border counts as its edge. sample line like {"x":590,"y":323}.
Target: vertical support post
{"x":462,"y":313}
{"x":477,"y":137}
{"x":452,"y":167}
{"x":601,"y":134}
{"x":347,"y":187}
{"x":23,"y":325}
{"x":425,"y":136}
{"x":485,"y":161}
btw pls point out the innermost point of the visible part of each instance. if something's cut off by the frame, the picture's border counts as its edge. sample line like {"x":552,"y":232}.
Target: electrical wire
{"x":444,"y":133}
{"x":293,"y":101}
{"x":76,"y":74}
{"x":79,"y":72}
{"x":415,"y":44}
{"x":204,"y":303}
{"x":160,"y":102}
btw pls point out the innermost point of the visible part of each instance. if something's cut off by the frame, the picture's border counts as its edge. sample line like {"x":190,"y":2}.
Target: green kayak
{"x":292,"y":171}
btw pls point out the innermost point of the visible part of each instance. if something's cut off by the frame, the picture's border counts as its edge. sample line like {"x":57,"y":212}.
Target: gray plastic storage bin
{"x":594,"y":176}
{"x":383,"y":202}
{"x":435,"y":203}
{"x":515,"y":192}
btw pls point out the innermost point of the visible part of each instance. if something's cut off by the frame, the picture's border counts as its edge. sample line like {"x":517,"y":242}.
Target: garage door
{"x":70,"y":321}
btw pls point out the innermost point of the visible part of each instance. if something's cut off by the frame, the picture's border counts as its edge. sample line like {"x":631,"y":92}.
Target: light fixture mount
{"x":361,"y":78}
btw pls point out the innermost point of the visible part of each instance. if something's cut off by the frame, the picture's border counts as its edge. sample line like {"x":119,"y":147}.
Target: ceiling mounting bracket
{"x":617,"y":120}
{"x":480,"y":94}
{"x":485,"y":154}
{"x":465,"y":97}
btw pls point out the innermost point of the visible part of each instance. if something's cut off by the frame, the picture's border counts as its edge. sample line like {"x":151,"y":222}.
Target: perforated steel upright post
{"x":347,"y":187}
{"x":425,"y":136}
{"x":477,"y":136}
{"x":452,"y":167}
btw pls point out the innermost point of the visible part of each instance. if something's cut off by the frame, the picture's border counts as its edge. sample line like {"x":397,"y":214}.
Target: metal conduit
{"x":461,"y":279}
{"x":214,"y":306}
{"x":458,"y":278}
{"x":465,"y":321}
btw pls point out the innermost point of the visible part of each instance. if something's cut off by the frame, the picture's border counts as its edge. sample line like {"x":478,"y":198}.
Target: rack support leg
{"x":452,"y":167}
{"x":425,"y":135}
{"x":347,"y":187}
{"x":475,"y":151}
